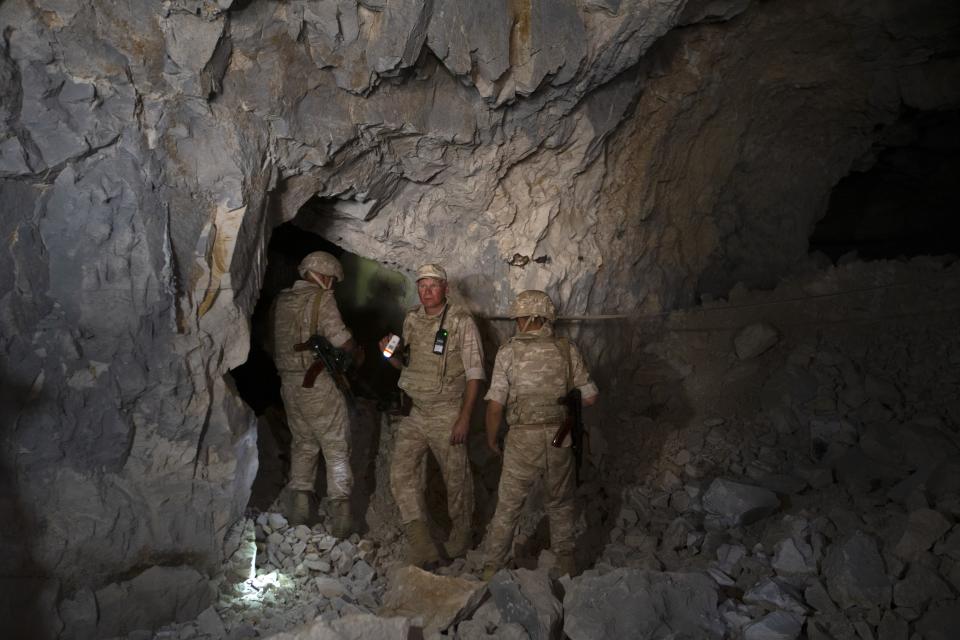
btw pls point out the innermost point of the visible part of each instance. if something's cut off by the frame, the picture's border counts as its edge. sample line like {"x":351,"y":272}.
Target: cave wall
{"x":622,"y":155}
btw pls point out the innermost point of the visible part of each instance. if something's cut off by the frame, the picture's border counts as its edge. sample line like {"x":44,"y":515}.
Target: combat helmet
{"x":533,"y":303}
{"x":322,"y":263}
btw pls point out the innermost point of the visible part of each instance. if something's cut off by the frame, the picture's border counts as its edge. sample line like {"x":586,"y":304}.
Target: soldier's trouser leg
{"x":318,"y":420}
{"x":430,"y":429}
{"x":523,"y":459}
{"x":408,"y":452}
{"x":559,"y":480}
{"x":454,"y":467}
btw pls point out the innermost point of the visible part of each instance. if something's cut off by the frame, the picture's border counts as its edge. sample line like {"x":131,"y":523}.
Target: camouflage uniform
{"x":436,"y":384}
{"x":532,"y":371}
{"x":318,"y":417}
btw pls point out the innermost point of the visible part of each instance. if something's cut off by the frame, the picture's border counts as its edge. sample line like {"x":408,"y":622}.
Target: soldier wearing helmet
{"x":318,"y":417}
{"x":441,"y":373}
{"x":532,"y":372}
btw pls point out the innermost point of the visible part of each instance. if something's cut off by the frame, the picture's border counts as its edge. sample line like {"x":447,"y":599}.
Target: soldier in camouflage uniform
{"x":443,"y":388}
{"x":318,"y":417}
{"x":532,"y":373}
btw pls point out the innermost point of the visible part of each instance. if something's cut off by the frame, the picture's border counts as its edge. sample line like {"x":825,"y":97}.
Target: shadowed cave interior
{"x":746,"y":212}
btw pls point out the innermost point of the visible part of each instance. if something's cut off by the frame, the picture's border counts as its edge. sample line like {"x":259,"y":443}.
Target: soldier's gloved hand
{"x":458,"y":434}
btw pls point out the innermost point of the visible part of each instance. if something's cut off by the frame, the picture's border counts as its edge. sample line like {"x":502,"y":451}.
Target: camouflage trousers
{"x":428,"y":428}
{"x":527,"y":457}
{"x":319,"y":421}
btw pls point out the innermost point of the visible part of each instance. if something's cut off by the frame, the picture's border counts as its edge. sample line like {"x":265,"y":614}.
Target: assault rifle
{"x":572,"y":425}
{"x":326,"y":356}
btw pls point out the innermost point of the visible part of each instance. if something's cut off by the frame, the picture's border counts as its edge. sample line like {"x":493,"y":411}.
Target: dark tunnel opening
{"x":371,"y":300}
{"x":906,"y":203}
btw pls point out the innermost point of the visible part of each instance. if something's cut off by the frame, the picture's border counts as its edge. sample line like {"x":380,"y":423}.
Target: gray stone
{"x":736,"y":616}
{"x":782,"y":483}
{"x":440,"y":601}
{"x":321,"y":566}
{"x":675,"y":537}
{"x":163,"y":594}
{"x":924,"y":527}
{"x":79,"y":615}
{"x":817,"y":597}
{"x":484,"y":620}
{"x":734,"y":504}
{"x":721,"y":578}
{"x":892,"y":627}
{"x":631,"y":603}
{"x":816,"y":477}
{"x":920,"y":587}
{"x":276,"y":521}
{"x":950,"y":546}
{"x":940,"y":622}
{"x":529,"y":599}
{"x":302,"y":532}
{"x":855,"y":573}
{"x":329,"y":587}
{"x":776,"y":594}
{"x":794,"y":558}
{"x":777,"y":625}
{"x":627,"y":517}
{"x":356,"y":626}
{"x":728,"y":555}
{"x":209,"y":623}
{"x":755,"y":339}
{"x":362,"y":574}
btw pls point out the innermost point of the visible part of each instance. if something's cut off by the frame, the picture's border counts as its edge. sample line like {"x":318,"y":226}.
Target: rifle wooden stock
{"x":562,"y":432}
{"x":572,"y":426}
{"x":310,"y":377}
{"x":326,"y":356}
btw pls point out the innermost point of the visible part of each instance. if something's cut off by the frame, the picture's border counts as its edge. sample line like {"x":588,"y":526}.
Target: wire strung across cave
{"x":642,"y":317}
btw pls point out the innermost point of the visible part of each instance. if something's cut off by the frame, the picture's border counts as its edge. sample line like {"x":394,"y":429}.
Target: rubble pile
{"x":827,"y":504}
{"x":283,"y":576}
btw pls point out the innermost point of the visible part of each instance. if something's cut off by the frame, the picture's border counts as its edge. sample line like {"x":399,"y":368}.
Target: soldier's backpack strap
{"x":315,"y":312}
{"x":565,"y":350}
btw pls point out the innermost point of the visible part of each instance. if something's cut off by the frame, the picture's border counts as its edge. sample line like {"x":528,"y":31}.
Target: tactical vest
{"x":540,"y":377}
{"x":294,"y":321}
{"x":429,"y":377}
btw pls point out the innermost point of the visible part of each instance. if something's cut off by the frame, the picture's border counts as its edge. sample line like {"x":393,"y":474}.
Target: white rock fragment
{"x":276,"y":521}
{"x":329,"y":587}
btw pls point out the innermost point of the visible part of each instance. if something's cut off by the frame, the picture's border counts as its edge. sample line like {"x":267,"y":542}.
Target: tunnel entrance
{"x":372,"y":301}
{"x":907,"y":203}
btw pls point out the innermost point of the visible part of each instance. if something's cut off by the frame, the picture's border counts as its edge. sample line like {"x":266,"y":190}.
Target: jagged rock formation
{"x":620,"y":154}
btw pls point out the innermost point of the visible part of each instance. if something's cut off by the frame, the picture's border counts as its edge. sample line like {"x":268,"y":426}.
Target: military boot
{"x":421,"y":552}
{"x":300,"y":508}
{"x":566,"y":565}
{"x":458,"y":543}
{"x":341,"y":524}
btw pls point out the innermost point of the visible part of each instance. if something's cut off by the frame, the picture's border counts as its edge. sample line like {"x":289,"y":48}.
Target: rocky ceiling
{"x":624,"y":155}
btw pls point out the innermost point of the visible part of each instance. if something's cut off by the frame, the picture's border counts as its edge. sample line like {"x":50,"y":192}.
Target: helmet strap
{"x":526,"y":323}
{"x":320,"y":280}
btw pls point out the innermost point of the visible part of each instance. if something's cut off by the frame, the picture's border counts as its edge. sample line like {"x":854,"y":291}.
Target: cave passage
{"x":372,"y":301}
{"x":907,"y":203}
